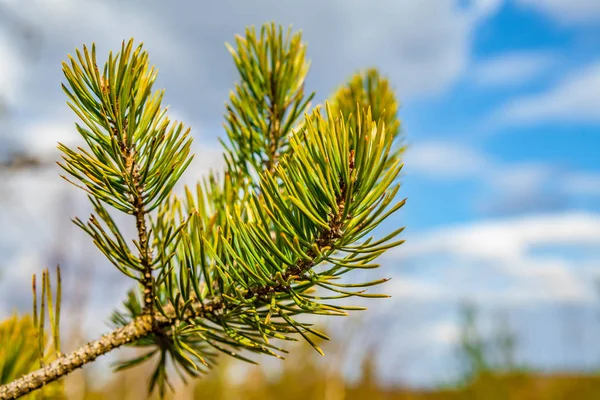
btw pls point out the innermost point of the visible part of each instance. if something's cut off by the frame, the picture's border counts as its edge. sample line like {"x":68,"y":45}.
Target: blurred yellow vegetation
{"x":303,"y":376}
{"x":307,"y":376}
{"x":19,"y":355}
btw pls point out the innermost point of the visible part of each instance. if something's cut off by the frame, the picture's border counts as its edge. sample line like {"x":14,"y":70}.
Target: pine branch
{"x":369,"y":89}
{"x":269,"y":100}
{"x":129,"y":157}
{"x":236,"y":263}
{"x":326,"y":194}
{"x":136,"y":155}
{"x":159,"y":323}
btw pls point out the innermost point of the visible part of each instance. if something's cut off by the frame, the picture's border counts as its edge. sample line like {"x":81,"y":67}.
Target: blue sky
{"x":500,"y":107}
{"x":520,"y":53}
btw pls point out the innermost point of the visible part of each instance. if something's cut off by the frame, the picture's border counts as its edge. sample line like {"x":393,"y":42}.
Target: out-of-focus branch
{"x":21,"y":161}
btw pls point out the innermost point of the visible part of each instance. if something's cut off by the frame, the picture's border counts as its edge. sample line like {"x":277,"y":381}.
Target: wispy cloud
{"x":505,"y":188}
{"x":445,"y":160}
{"x":575,"y":98}
{"x":568,"y":12}
{"x":423,"y":52}
{"x":12,"y":69}
{"x":512,"y":69}
{"x":585,"y":184}
{"x":503,"y":261}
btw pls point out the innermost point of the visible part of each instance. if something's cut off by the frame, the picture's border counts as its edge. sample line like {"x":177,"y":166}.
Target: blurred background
{"x":496,"y":292}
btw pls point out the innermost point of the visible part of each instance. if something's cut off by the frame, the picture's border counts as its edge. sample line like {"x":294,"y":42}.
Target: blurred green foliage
{"x":18,"y":356}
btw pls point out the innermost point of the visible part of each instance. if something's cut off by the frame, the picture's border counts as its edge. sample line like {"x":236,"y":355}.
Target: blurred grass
{"x":307,"y":376}
{"x":487,"y":372}
{"x":19,"y":355}
{"x":306,"y":380}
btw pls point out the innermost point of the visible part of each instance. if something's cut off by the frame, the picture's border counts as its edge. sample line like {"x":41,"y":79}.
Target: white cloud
{"x":65,"y":25}
{"x":504,"y":187}
{"x":28,"y":262}
{"x":583,"y":183}
{"x":430,"y":334}
{"x":496,"y":261}
{"x":445,"y":160}
{"x":523,"y":267}
{"x":515,"y":178}
{"x":41,"y":137}
{"x":12,"y":70}
{"x":404,"y":287}
{"x":449,"y":160}
{"x":566,"y":11}
{"x":483,"y":8}
{"x":576,"y":98}
{"x":446,"y":333}
{"x":422,"y":46}
{"x":512,"y":68}
{"x":411,"y":47}
{"x":206,"y":159}
{"x":509,"y":239}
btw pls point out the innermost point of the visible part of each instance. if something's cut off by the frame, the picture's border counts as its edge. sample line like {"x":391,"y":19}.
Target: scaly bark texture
{"x":70,"y":362}
{"x":129,"y":156}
